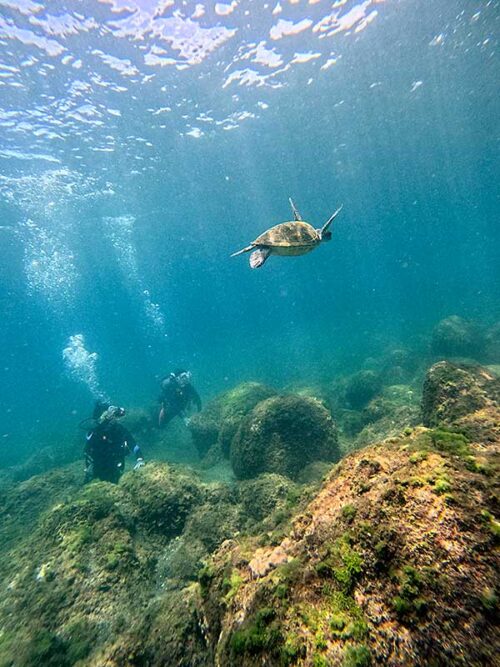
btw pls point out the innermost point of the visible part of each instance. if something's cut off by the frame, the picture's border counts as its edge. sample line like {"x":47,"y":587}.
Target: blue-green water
{"x":142,"y":142}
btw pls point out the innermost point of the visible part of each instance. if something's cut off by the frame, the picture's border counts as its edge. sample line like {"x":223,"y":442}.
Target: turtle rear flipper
{"x":258,"y":257}
{"x":240,"y":252}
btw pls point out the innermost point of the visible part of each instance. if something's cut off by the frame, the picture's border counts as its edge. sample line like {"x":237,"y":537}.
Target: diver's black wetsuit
{"x":174,"y":399}
{"x":105,"y":451}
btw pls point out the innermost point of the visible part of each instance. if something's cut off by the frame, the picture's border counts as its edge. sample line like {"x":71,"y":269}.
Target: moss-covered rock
{"x":282,"y":435}
{"x":457,"y":337}
{"x":398,"y":365}
{"x":220,"y":420}
{"x":204,"y":428}
{"x":492,"y":344}
{"x":44,"y":460}
{"x":453,"y":393}
{"x":180,"y":562}
{"x":211,"y":524}
{"x":361,"y":388}
{"x":161,"y":498}
{"x":366,"y":574}
{"x":265,"y":494}
{"x":169,"y":633}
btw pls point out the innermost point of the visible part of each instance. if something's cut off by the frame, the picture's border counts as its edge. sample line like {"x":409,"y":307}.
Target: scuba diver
{"x":177,"y":395}
{"x":108,"y":442}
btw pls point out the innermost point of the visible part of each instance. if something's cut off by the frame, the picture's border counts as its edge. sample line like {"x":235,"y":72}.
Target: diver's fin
{"x":258,"y":257}
{"x":240,"y":252}
{"x":331,"y":219}
{"x":296,"y":214}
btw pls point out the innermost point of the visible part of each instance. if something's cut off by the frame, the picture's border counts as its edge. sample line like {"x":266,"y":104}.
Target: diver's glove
{"x":139,"y":463}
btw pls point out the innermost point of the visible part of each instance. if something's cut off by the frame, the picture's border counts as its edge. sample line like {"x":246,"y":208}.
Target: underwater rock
{"x":282,"y":435}
{"x":169,"y":634}
{"x":212,"y":523}
{"x":180,"y":562}
{"x":361,"y":388}
{"x":397,"y":407}
{"x":220,"y":420}
{"x":265,"y":494}
{"x":452,"y":393}
{"x":44,"y":460}
{"x":204,"y":430}
{"x":161,"y":498}
{"x":392,"y":563}
{"x":399,"y":365}
{"x":457,"y":337}
{"x":82,"y":572}
{"x":314,"y":472}
{"x":492,"y":343}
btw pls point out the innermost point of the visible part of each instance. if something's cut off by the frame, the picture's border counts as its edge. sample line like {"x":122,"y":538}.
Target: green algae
{"x":262,"y":633}
{"x":409,"y":602}
{"x":492,"y":524}
{"x":357,"y":656}
{"x":349,"y":512}
{"x":342,"y":562}
{"x":231,"y":585}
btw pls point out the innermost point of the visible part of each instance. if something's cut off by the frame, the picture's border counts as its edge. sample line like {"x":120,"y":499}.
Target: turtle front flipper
{"x":296,"y":214}
{"x":327,"y":224}
{"x":258,"y":257}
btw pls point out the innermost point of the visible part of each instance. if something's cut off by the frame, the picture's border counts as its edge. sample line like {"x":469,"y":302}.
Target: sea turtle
{"x":288,"y":238}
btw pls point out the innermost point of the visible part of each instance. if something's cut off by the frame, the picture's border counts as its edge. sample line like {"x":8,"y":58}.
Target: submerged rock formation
{"x":282,"y":435}
{"x":457,"y":337}
{"x":217,"y":424}
{"x":465,"y":397}
{"x":361,"y":388}
{"x":393,"y":561}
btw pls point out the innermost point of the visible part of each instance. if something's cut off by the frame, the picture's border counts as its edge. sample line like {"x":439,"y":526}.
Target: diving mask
{"x":113,"y":412}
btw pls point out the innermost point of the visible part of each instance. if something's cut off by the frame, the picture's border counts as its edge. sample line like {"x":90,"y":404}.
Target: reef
{"x":388,"y":556}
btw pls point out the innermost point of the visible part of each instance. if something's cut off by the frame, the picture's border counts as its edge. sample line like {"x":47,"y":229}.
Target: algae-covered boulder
{"x":44,"y":460}
{"x":204,"y":428}
{"x":457,"y":337}
{"x":170,"y":634}
{"x":398,"y":365}
{"x":213,"y":523}
{"x":180,"y":561}
{"x":237,"y":403}
{"x":492,"y":344}
{"x":361,"y":388}
{"x":282,"y":435}
{"x":265,"y":494}
{"x":161,"y":499}
{"x":219,"y":421}
{"x":453,"y":392}
{"x":392,"y":563}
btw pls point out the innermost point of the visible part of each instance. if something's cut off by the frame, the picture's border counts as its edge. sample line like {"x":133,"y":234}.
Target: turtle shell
{"x":289,"y":235}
